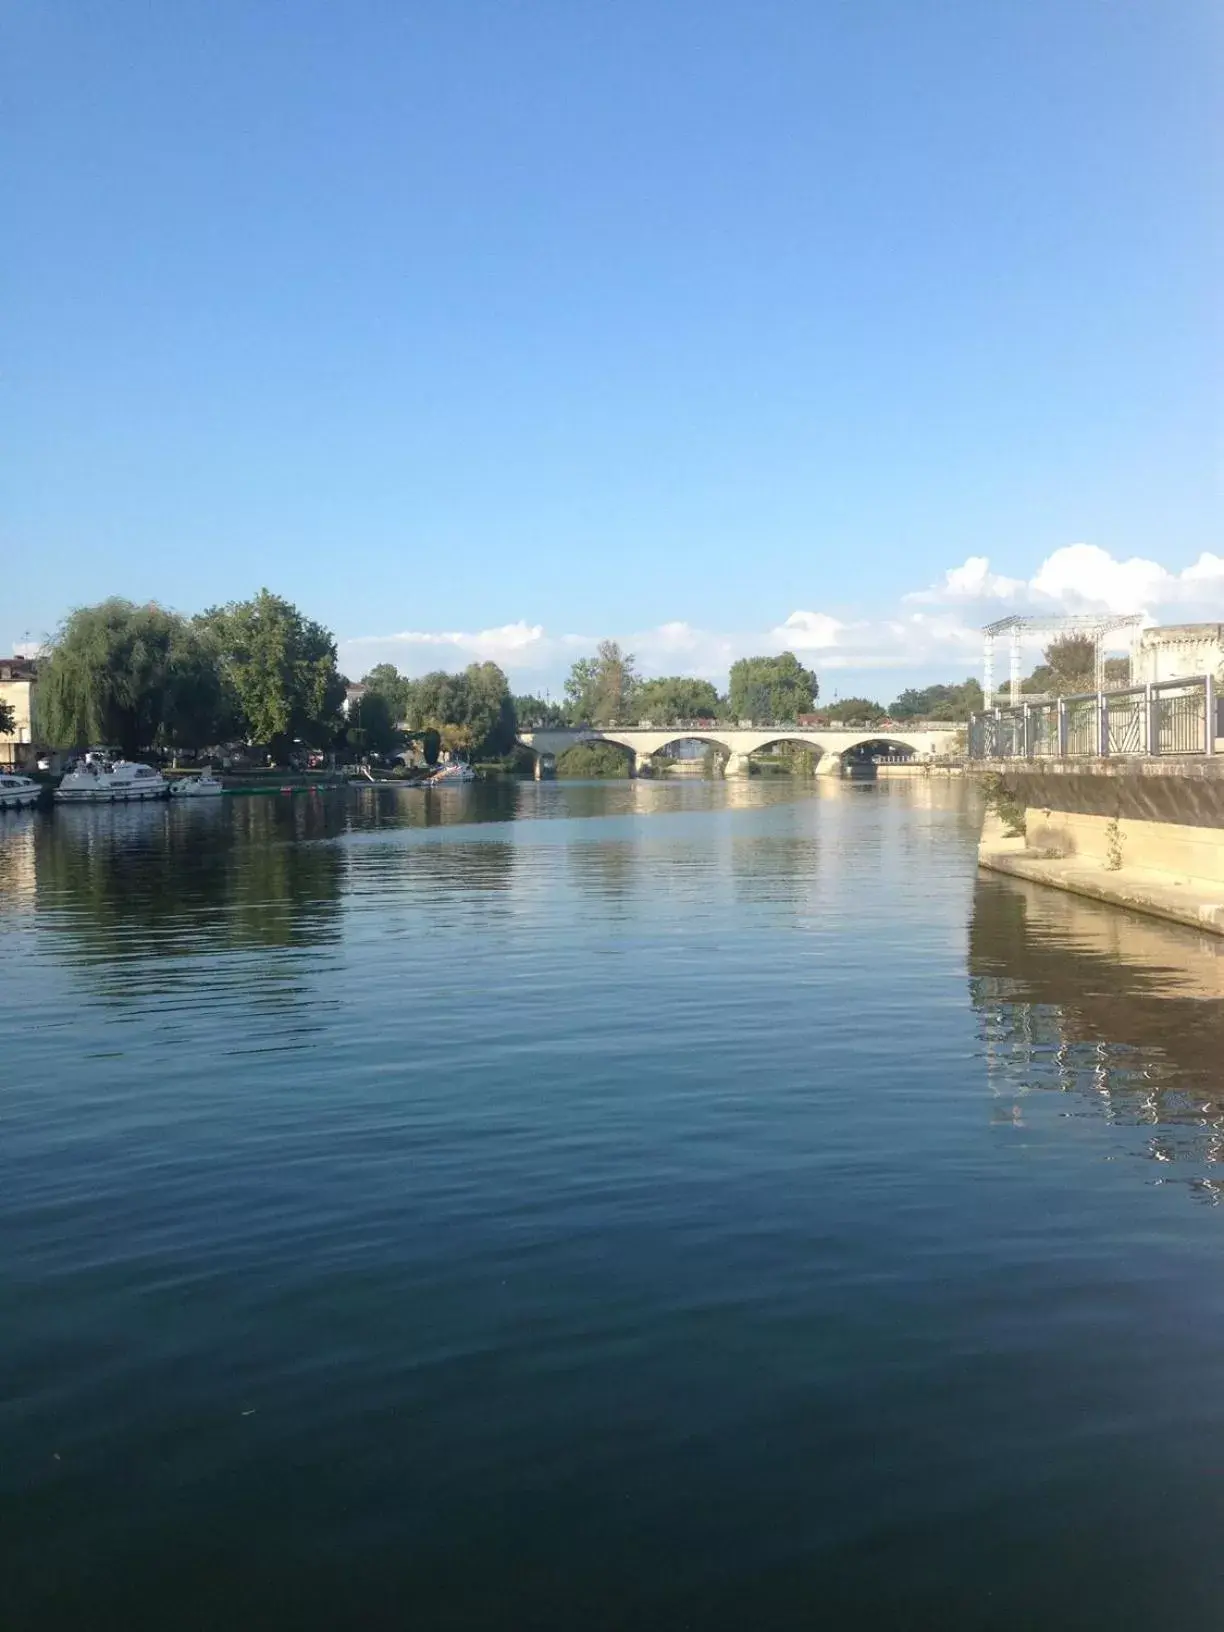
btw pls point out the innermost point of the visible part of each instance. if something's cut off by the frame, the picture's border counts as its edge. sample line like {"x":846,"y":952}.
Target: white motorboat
{"x":206,"y":786}
{"x":452,"y":773}
{"x":17,"y":791}
{"x":98,"y":782}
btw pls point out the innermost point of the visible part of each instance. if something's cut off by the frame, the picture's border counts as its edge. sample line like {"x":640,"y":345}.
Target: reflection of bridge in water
{"x":739,"y":743}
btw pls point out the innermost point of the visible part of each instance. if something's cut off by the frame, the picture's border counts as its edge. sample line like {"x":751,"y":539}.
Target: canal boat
{"x":206,"y":786}
{"x":102,"y":782}
{"x":17,"y":792}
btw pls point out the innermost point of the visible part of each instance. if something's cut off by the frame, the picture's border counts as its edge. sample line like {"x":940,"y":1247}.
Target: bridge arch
{"x":709,"y":739}
{"x":896,"y":746}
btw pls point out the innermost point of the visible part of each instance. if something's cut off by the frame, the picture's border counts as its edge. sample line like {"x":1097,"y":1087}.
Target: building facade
{"x":1172,"y":651}
{"x":18,"y":684}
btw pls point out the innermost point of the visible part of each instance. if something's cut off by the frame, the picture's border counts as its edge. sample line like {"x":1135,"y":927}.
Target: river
{"x":577,"y":1206}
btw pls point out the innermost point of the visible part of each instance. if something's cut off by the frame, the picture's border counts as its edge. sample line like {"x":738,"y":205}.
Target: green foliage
{"x":856,"y":711}
{"x":945,"y":703}
{"x":8,"y":719}
{"x":132,"y":676}
{"x":593,"y":759}
{"x":280,"y":668}
{"x":796,"y":759}
{"x":384,"y":680}
{"x":431,"y":745}
{"x":602,"y":690}
{"x":1003,"y":801}
{"x":472,"y":712}
{"x":1068,"y":669}
{"x":534,"y":712}
{"x":677,"y":698}
{"x":771,"y":690}
{"x":371,"y":724}
{"x":1071,"y":664}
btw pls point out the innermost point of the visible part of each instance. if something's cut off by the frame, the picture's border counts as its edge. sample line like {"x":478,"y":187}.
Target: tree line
{"x":260,"y":671}
{"x":606,"y":689}
{"x":1067,"y":669}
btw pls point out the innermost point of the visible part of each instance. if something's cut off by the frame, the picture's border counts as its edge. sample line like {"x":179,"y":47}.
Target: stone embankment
{"x":1146,"y":834}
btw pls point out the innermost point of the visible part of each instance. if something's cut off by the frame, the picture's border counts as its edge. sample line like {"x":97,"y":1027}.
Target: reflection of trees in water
{"x":373,"y":809}
{"x":1124,"y":1012}
{"x":158,"y":881}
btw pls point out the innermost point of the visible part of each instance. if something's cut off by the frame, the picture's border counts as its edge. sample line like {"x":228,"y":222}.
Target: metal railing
{"x":1169,"y":717}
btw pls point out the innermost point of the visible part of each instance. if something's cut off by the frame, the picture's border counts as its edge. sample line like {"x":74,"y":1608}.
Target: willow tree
{"x":133,"y":677}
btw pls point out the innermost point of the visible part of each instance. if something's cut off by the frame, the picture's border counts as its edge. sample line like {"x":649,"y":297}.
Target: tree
{"x":1068,"y":669}
{"x":489,"y":691}
{"x":1071,"y":660}
{"x":533,"y":712}
{"x":8,"y":719}
{"x":856,"y":711}
{"x":945,"y":703}
{"x":602,"y":690}
{"x":472,"y":712}
{"x":281,"y":670}
{"x":131,"y":676}
{"x":771,"y":690}
{"x":371,"y":725}
{"x":675,"y":698}
{"x":385,"y":680}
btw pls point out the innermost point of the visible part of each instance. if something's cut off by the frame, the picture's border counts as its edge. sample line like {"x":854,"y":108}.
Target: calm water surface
{"x":623,"y":1206}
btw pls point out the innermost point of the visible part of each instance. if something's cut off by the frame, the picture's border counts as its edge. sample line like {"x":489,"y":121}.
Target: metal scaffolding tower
{"x":1017,"y":627}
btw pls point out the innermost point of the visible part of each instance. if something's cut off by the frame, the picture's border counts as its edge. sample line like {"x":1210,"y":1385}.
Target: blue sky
{"x":489,"y":328}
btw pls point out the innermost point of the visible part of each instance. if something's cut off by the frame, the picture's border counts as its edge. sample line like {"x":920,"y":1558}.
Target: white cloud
{"x":508,"y":641}
{"x":936,"y":631}
{"x":1086,"y":578}
{"x":808,"y":632}
{"x":973,"y":581}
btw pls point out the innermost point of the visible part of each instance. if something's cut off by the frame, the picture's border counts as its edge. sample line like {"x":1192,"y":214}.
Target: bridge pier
{"x":829,"y":765}
{"x":737,"y":764}
{"x":641,"y":763}
{"x":545,"y":767}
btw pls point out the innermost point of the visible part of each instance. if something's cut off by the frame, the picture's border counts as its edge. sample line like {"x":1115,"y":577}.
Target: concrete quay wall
{"x":1143,"y":834}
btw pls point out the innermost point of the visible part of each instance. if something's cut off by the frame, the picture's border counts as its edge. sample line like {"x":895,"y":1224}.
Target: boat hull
{"x":19,"y":799}
{"x":116,"y":796}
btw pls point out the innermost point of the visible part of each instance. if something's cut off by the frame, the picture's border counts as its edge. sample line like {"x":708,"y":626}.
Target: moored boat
{"x":206,"y":786}
{"x":17,"y":792}
{"x":450,"y":774}
{"x":100,"y":782}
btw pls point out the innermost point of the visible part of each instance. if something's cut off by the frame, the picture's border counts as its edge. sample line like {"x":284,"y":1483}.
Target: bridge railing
{"x":1166,"y":718}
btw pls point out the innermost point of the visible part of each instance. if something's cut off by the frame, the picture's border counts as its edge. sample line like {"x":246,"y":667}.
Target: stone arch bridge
{"x":739,"y":742}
